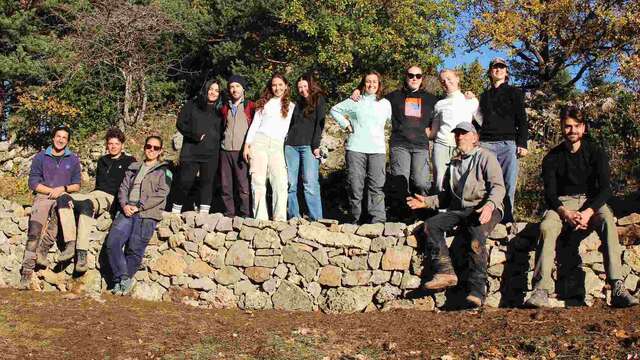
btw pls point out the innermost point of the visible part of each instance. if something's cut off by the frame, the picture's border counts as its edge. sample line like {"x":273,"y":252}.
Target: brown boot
{"x":69,"y":251}
{"x":474,"y":301}
{"x":441,"y":281}
{"x":81,"y":262}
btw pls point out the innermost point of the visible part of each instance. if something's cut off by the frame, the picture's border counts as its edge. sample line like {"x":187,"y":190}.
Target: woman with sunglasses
{"x":302,"y":148}
{"x":264,"y":148}
{"x":200,"y":124}
{"x":366,"y":146}
{"x":142,"y":195}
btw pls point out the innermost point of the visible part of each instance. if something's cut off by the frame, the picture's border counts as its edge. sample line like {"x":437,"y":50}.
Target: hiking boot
{"x":41,"y":257}
{"x":441,"y":282}
{"x":69,"y":251}
{"x":473,"y":301}
{"x":81,"y":262}
{"x":621,"y":297}
{"x":25,"y":281}
{"x":539,"y":298}
{"x":127,"y":286}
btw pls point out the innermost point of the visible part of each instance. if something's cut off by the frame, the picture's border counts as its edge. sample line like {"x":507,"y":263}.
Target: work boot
{"x":539,"y":298}
{"x":126,"y":286}
{"x":81,"y":262}
{"x":69,"y":251}
{"x":473,"y":301}
{"x":441,"y":281}
{"x":117,"y":289}
{"x":41,"y":257}
{"x":25,"y":281}
{"x":621,"y":297}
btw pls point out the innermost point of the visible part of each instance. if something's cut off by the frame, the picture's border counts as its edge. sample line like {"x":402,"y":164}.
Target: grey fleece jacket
{"x":483,"y":183}
{"x":155,"y":187}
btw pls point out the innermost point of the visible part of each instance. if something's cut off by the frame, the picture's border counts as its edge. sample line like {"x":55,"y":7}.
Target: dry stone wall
{"x":219,"y":262}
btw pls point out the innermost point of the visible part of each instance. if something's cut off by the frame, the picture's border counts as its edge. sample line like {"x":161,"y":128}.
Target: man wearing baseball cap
{"x":504,"y":127}
{"x":473,"y":191}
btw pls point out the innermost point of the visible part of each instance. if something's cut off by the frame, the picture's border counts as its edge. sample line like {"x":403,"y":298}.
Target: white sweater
{"x":449,"y":112}
{"x":269,"y":121}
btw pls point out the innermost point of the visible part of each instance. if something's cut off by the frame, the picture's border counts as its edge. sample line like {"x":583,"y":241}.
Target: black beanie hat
{"x":237,"y":79}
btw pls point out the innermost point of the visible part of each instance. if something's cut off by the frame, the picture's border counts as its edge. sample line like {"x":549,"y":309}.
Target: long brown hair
{"x":315,"y":92}
{"x":380,"y":90}
{"x":267,"y":94}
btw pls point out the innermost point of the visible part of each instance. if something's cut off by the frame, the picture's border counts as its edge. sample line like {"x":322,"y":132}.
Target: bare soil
{"x":67,"y":326}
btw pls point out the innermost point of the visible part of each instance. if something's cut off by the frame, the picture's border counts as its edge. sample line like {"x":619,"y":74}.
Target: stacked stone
{"x":215,"y":261}
{"x":15,"y":160}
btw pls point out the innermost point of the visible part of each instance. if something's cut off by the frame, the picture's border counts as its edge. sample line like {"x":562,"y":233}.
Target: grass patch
{"x":295,"y":347}
{"x":207,"y":348}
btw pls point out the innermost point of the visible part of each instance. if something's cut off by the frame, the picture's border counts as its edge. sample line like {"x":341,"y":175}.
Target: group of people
{"x":244,"y":144}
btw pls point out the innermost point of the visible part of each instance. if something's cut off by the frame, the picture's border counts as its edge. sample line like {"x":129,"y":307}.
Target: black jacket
{"x":193,"y":122}
{"x":407,"y":130}
{"x":306,"y":130}
{"x":583,"y":172}
{"x":503,"y":115}
{"x":110,"y":172}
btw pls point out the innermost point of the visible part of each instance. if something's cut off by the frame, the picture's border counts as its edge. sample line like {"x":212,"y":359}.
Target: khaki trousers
{"x":268,"y":162}
{"x":551,"y":227}
{"x":101,"y":202}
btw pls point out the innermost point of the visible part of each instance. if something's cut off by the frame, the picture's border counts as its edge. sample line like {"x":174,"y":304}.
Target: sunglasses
{"x":152,"y":147}
{"x":499,"y":66}
{"x":411,"y":76}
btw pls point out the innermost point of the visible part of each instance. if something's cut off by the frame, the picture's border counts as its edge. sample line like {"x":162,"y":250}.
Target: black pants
{"x":474,"y":236}
{"x":188,"y":172}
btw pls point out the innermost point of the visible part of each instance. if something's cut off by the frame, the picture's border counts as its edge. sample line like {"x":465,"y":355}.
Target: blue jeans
{"x":506,"y":153}
{"x":295,"y":155}
{"x":126,"y":243}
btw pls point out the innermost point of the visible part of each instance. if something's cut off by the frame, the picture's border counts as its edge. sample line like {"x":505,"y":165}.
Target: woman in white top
{"x":264,"y":148}
{"x":448,"y":113}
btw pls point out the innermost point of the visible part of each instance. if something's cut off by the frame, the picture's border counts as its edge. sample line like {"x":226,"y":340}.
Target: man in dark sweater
{"x":576,"y":189}
{"x":109,"y":174}
{"x":504,"y":127}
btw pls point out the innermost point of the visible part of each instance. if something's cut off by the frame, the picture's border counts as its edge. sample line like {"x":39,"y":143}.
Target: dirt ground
{"x":66,"y":326}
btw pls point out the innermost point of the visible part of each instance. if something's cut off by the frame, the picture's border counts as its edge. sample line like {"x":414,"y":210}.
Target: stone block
{"x":266,"y":239}
{"x":239,"y":254}
{"x":224,"y":224}
{"x":397,"y":258}
{"x":258,"y":274}
{"x":205,"y":284}
{"x":330,"y":276}
{"x":379,"y":277}
{"x":214,"y":240}
{"x":356,"y":278}
{"x":169,"y":264}
{"x":347,"y":300}
{"x":633,"y":218}
{"x":374,"y":260}
{"x":382,"y":243}
{"x":291,"y":298}
{"x":321,"y":256}
{"x":371,"y":230}
{"x":394,"y":229}
{"x":267,"y":261}
{"x":228,"y":275}
{"x":409,"y":281}
{"x":248,"y":233}
{"x":199,"y":268}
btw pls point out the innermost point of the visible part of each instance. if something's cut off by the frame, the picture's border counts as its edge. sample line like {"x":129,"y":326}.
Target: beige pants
{"x":602,"y":222}
{"x":101,"y":202}
{"x":267,"y":162}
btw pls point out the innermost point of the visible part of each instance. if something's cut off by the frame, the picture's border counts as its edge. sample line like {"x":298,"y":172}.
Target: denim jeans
{"x":295,"y":156}
{"x":126,"y":243}
{"x":366,"y":169}
{"x":442,"y":155}
{"x":506,"y":153}
{"x":474,"y":239}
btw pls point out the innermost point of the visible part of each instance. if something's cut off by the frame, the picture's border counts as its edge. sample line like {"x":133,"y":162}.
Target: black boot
{"x":69,"y":251}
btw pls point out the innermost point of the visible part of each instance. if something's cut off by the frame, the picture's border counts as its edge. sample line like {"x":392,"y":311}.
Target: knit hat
{"x":237,"y":79}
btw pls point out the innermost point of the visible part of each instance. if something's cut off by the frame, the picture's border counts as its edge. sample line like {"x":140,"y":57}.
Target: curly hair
{"x":315,"y":92}
{"x":114,"y":133}
{"x":379,"y":92}
{"x":267,"y":94}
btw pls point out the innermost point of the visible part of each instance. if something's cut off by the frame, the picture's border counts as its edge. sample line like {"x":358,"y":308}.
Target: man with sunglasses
{"x":411,"y":111}
{"x":504,"y":127}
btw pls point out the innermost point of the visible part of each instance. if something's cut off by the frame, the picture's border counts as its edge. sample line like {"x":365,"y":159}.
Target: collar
{"x":49,"y":151}
{"x":456,"y":93}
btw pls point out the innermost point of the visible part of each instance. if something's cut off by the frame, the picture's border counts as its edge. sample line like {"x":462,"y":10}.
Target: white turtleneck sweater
{"x":269,"y":121}
{"x":449,"y":112}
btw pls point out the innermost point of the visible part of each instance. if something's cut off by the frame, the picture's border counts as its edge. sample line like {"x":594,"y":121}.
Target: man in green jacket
{"x":472,"y":193}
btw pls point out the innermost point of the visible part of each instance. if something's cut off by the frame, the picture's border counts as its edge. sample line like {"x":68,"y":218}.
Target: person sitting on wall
{"x":576,"y":190}
{"x":472,"y":194}
{"x":55,"y":172}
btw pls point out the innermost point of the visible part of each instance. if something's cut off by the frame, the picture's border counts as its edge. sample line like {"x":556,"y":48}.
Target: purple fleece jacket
{"x":46,"y":170}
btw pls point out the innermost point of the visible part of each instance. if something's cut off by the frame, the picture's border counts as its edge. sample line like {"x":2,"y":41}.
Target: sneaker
{"x":621,"y":297}
{"x":117,"y":289}
{"x":81,"y":262}
{"x":25,"y":281}
{"x":539,"y":298}
{"x":441,"y":282}
{"x":69,"y":251}
{"x":473,"y":301}
{"x":127,"y":286}
{"x":41,"y":257}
